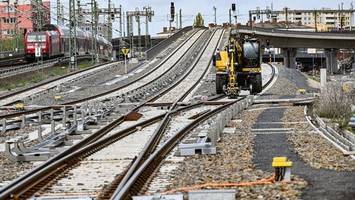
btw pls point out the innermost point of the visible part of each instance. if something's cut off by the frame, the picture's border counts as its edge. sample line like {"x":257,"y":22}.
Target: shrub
{"x":335,"y":103}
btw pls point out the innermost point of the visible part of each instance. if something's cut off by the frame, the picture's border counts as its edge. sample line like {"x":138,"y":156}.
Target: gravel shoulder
{"x":232,"y":163}
{"x":288,"y":83}
{"x":328,"y":173}
{"x":312,"y":147}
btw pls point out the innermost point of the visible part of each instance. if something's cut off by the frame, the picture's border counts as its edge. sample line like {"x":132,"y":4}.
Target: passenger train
{"x":54,"y":42}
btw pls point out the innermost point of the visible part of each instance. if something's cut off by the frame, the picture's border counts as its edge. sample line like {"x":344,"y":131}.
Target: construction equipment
{"x":238,"y":66}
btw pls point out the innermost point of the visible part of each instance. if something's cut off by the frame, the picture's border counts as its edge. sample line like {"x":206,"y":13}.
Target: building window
{"x":12,"y":20}
{"x":8,"y":9}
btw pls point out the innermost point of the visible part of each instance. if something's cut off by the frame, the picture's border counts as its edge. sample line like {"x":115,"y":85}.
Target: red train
{"x":54,"y":41}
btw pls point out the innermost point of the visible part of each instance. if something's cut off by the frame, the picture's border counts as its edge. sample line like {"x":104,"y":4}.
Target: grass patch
{"x":27,"y":79}
{"x":9,"y":44}
{"x":315,"y":78}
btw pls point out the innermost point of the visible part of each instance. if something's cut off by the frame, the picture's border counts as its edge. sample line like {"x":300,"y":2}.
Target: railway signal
{"x":72,"y":37}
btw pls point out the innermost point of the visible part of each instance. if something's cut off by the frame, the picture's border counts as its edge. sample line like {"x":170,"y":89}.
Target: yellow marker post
{"x":57,"y":97}
{"x":19,"y":106}
{"x":125,"y":52}
{"x":282,"y":168}
{"x":346,"y":88}
{"x":302,"y":91}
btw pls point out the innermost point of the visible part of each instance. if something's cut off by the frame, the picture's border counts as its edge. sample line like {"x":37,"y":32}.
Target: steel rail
{"x":146,"y":169}
{"x":14,"y":70}
{"x":25,"y":186}
{"x":159,"y":132}
{"x":27,"y":178}
{"x":103,"y":93}
{"x":122,"y":189}
{"x":188,"y":72}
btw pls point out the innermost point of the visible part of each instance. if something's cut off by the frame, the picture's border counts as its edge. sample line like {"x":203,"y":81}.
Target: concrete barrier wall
{"x":152,"y":52}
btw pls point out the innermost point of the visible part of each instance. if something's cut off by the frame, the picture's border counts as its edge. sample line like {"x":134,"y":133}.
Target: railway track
{"x":108,"y":138}
{"x":20,"y":66}
{"x":60,"y":113}
{"x":149,"y":77}
{"x":149,"y":161}
{"x":86,"y":151}
{"x":20,"y":60}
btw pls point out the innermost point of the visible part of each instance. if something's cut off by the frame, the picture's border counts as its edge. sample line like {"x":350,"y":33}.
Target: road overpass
{"x":289,"y":41}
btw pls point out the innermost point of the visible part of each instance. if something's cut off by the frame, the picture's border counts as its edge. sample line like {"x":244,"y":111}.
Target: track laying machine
{"x":238,"y":66}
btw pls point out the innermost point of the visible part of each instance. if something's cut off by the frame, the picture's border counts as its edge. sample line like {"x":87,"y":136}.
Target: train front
{"x":35,"y":40}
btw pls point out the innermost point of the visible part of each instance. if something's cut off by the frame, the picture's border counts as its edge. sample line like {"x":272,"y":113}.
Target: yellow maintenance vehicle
{"x":238,"y":66}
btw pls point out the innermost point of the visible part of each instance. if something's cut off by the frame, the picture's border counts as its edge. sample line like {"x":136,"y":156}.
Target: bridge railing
{"x":277,"y":30}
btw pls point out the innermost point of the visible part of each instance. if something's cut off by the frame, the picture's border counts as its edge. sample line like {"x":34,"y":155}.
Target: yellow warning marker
{"x":19,"y":106}
{"x":281,"y":162}
{"x":302,"y":91}
{"x":125,"y":52}
{"x":346,"y":88}
{"x":282,"y":168}
{"x":57,"y":97}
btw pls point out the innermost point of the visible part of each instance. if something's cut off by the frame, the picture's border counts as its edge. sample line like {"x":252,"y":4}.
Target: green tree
{"x":199,"y":22}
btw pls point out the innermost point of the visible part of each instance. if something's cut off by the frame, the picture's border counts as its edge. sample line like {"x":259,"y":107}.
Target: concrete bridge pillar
{"x":289,"y":57}
{"x":331,"y":60}
{"x":114,"y":54}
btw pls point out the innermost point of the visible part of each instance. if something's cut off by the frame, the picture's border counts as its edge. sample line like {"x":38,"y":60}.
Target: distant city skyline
{"x":191,"y":7}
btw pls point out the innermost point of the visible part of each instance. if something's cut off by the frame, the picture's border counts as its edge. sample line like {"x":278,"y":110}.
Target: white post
{"x":323,"y":77}
{"x":40,"y":137}
{"x":3,"y":122}
{"x":125,"y":64}
{"x":52,"y":121}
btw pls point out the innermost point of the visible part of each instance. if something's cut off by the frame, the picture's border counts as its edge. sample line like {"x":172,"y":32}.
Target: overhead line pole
{"x":96,"y":21}
{"x":146,"y":28}
{"x":215,"y":15}
{"x":109,"y":32}
{"x":93,"y":39}
{"x":16,"y":26}
{"x":59,"y":17}
{"x":180,"y":17}
{"x":72,"y":36}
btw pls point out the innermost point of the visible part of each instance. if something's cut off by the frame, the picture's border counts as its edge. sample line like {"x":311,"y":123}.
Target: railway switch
{"x":282,"y":168}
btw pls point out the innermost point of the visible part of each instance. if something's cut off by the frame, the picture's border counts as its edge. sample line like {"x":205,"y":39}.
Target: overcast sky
{"x":191,"y":7}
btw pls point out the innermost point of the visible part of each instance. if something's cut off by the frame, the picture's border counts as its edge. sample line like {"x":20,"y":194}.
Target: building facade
{"x":102,"y":29}
{"x":18,"y":16}
{"x":324,"y":19}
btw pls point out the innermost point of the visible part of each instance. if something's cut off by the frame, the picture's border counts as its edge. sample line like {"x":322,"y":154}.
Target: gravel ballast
{"x":313,"y":148}
{"x":232,"y":163}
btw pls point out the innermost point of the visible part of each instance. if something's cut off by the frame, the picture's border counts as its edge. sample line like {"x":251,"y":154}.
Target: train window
{"x":36,"y":38}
